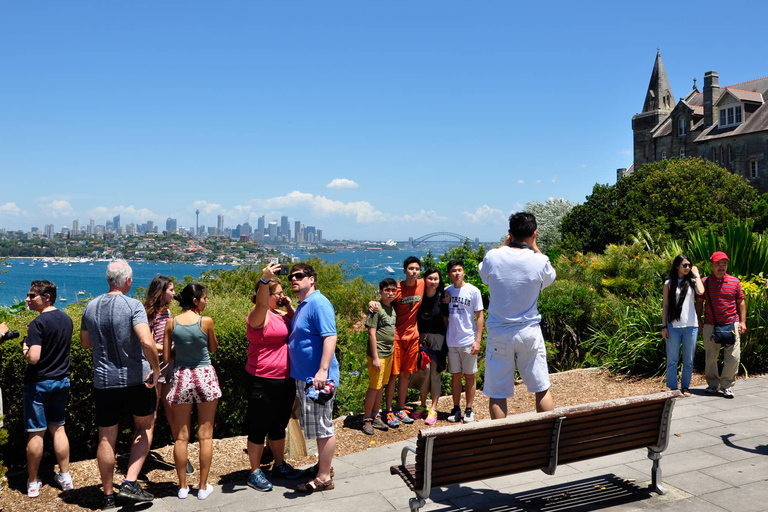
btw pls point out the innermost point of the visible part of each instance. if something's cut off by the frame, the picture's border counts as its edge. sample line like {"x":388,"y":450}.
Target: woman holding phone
{"x":680,"y":325}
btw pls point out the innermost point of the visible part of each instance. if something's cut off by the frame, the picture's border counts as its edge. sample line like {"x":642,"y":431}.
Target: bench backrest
{"x":525,"y":442}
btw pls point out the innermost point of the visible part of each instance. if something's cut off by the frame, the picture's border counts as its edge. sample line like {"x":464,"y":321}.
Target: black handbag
{"x":723,"y":334}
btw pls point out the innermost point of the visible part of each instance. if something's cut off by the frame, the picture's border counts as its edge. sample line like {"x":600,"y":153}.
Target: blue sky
{"x":371,"y":120}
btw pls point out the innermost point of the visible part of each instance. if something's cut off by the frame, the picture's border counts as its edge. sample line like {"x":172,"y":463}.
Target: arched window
{"x":730,"y":154}
{"x":714,"y":155}
{"x":722,"y":155}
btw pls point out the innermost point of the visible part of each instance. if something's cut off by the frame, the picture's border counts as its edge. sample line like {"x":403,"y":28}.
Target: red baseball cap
{"x":717,"y":256}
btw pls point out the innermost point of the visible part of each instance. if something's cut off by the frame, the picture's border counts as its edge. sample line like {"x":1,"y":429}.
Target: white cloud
{"x":10,"y":209}
{"x":342,"y":183}
{"x":538,"y":181}
{"x":554,"y":178}
{"x":127,"y":213}
{"x":59,"y":208}
{"x":428,"y":217}
{"x":485,"y":215}
{"x":520,"y":182}
{"x":626,"y":152}
{"x":206,"y":207}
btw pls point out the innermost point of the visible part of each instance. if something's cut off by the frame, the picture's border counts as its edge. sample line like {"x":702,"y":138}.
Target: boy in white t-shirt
{"x":465,"y":330}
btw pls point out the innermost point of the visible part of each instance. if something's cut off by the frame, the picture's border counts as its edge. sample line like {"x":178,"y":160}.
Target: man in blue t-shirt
{"x":311,"y":348}
{"x":46,"y":383}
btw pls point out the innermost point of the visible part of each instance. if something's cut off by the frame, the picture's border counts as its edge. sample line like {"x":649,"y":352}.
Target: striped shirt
{"x":724,"y":294}
{"x":158,"y":328}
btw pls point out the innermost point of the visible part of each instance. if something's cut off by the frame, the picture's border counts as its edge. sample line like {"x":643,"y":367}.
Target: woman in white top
{"x":679,"y":323}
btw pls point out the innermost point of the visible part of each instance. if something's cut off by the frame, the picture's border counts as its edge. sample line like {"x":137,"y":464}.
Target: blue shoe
{"x":392,"y":420}
{"x":285,"y":470}
{"x":258,"y":481}
{"x":403,"y":416}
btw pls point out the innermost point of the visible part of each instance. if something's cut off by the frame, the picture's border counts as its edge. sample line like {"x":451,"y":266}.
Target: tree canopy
{"x":666,"y":199}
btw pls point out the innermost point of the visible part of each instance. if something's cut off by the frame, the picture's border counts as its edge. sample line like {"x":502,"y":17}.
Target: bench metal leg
{"x":416,"y":503}
{"x":656,"y":472}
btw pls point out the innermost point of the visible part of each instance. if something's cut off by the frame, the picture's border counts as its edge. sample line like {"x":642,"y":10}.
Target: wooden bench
{"x":466,"y":453}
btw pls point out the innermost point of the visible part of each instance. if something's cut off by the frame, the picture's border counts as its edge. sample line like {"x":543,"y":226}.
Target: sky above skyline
{"x":371,"y":120}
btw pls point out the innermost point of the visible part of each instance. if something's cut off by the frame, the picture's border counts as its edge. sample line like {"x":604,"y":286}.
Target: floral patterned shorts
{"x":192,"y":385}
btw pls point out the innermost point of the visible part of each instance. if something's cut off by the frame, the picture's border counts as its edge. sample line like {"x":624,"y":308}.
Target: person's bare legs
{"x":402,"y":389}
{"x":370,"y":402}
{"x":471,"y":385}
{"x":544,"y":401}
{"x":60,"y":446}
{"x":35,"y":453}
{"x":497,"y":407}
{"x":456,"y":388}
{"x":390,"y":392}
{"x":325,"y":448}
{"x":278,"y":450}
{"x":182,"y":417}
{"x":206,"y":414}
{"x":142,"y":440}
{"x":105,"y":456}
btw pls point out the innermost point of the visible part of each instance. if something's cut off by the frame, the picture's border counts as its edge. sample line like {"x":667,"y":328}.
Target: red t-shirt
{"x":407,"y":301}
{"x":268,"y":348}
{"x":725,"y":294}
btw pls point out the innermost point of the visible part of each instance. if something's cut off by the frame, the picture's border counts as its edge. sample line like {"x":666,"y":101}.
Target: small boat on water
{"x":389,"y":270}
{"x":45,"y":265}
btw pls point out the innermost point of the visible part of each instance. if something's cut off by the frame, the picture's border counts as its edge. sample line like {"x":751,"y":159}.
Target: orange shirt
{"x":407,"y":301}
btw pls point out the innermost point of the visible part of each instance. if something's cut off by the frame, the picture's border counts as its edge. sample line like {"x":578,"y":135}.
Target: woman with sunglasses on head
{"x":432,"y":321}
{"x":679,"y":321}
{"x":159,"y":296}
{"x":193,"y":338}
{"x":270,"y":389}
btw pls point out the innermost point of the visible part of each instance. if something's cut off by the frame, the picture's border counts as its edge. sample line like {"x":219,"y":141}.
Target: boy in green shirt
{"x":381,"y":346}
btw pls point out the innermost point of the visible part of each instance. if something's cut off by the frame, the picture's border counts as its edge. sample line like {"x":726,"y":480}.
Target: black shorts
{"x":270,"y":402}
{"x":111,"y":404}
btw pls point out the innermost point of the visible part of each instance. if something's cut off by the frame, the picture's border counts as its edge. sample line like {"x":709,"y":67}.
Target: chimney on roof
{"x":711,"y":95}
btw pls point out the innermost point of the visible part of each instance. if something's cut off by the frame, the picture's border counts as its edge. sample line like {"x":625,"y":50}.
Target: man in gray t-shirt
{"x":515,"y":274}
{"x":125,"y":370}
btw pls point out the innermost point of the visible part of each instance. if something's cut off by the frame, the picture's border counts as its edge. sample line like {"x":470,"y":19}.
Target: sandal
{"x":315,"y":486}
{"x":368,"y":426}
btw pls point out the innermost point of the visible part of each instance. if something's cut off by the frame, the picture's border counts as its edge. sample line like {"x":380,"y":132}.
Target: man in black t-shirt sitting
{"x":46,"y":383}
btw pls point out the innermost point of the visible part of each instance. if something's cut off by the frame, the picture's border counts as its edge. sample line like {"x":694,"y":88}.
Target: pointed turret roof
{"x":659,"y":95}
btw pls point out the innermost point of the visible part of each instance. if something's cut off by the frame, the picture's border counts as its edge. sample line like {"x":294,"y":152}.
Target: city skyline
{"x":374,"y":120}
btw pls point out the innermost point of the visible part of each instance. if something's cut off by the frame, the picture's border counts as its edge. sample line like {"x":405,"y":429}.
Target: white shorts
{"x":461,"y":361}
{"x":524,"y":346}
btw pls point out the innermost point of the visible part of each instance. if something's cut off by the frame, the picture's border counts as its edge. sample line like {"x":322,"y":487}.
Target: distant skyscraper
{"x":170,"y":225}
{"x":76,"y":227}
{"x":285,"y":228}
{"x":319,"y":235}
{"x":110,"y":226}
{"x":49,"y":230}
{"x":150,"y":227}
{"x":260,"y":225}
{"x":220,"y":228}
{"x":273,"y":231}
{"x":130,"y":229}
{"x":246,"y":229}
{"x":116,"y":222}
{"x":92,"y":227}
{"x":297,"y":231}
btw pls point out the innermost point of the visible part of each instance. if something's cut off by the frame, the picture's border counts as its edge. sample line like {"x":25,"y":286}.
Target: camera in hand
{"x":10,"y":335}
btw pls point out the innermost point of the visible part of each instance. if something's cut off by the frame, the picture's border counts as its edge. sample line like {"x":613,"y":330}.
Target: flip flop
{"x":315,"y":486}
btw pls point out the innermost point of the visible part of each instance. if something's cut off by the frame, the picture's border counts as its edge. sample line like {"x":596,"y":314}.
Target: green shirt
{"x":384,"y":322}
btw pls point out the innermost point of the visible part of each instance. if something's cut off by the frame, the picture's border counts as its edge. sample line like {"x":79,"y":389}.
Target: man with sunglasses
{"x":311,"y":350}
{"x":46,"y":384}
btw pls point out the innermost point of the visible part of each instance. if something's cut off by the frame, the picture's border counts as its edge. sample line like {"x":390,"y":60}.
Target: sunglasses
{"x":686,"y":265}
{"x":298,"y":276}
{"x":390,"y":290}
{"x":33,"y":295}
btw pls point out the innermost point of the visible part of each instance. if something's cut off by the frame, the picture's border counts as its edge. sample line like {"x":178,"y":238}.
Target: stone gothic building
{"x":728,"y":125}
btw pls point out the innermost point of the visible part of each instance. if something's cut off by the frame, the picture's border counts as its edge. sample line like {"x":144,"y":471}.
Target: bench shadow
{"x":760,"y":449}
{"x":585,"y":495}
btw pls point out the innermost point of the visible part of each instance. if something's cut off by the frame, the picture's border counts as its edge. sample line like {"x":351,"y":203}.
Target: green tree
{"x":667,"y":198}
{"x":549,"y":217}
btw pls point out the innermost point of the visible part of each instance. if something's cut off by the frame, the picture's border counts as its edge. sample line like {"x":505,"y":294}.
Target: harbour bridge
{"x":439,"y":234}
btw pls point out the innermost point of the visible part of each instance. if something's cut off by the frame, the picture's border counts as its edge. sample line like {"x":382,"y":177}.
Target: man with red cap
{"x":723,"y":304}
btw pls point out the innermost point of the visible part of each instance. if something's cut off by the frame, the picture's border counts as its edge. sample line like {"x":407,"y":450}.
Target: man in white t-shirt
{"x":465,"y":330}
{"x":515,"y":274}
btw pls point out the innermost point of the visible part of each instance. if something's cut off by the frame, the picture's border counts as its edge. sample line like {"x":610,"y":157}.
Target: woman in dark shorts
{"x":269,"y":387}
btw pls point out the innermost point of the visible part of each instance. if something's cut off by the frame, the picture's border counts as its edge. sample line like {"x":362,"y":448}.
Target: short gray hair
{"x":118,"y":273}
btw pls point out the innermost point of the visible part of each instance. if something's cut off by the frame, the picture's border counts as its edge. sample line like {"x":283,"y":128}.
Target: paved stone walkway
{"x":716,"y":461}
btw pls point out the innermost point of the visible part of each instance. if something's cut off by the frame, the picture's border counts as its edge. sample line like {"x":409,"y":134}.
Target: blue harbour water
{"x":76,"y":280}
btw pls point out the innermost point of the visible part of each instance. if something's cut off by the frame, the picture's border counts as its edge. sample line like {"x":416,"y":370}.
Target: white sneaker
{"x":65,"y":481}
{"x":33,"y":488}
{"x":183,"y":493}
{"x":204,"y":493}
{"x":469,"y":416}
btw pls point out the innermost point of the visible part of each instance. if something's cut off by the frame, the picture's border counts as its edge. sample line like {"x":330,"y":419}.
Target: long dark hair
{"x":674,"y":303}
{"x":153,"y":303}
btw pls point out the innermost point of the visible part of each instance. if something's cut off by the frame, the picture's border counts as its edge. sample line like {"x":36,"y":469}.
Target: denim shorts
{"x":44,"y":403}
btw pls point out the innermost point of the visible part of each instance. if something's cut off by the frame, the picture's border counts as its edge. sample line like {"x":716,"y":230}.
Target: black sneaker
{"x":133,"y":492}
{"x":108,"y":502}
{"x":455,"y":416}
{"x":190,"y":469}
